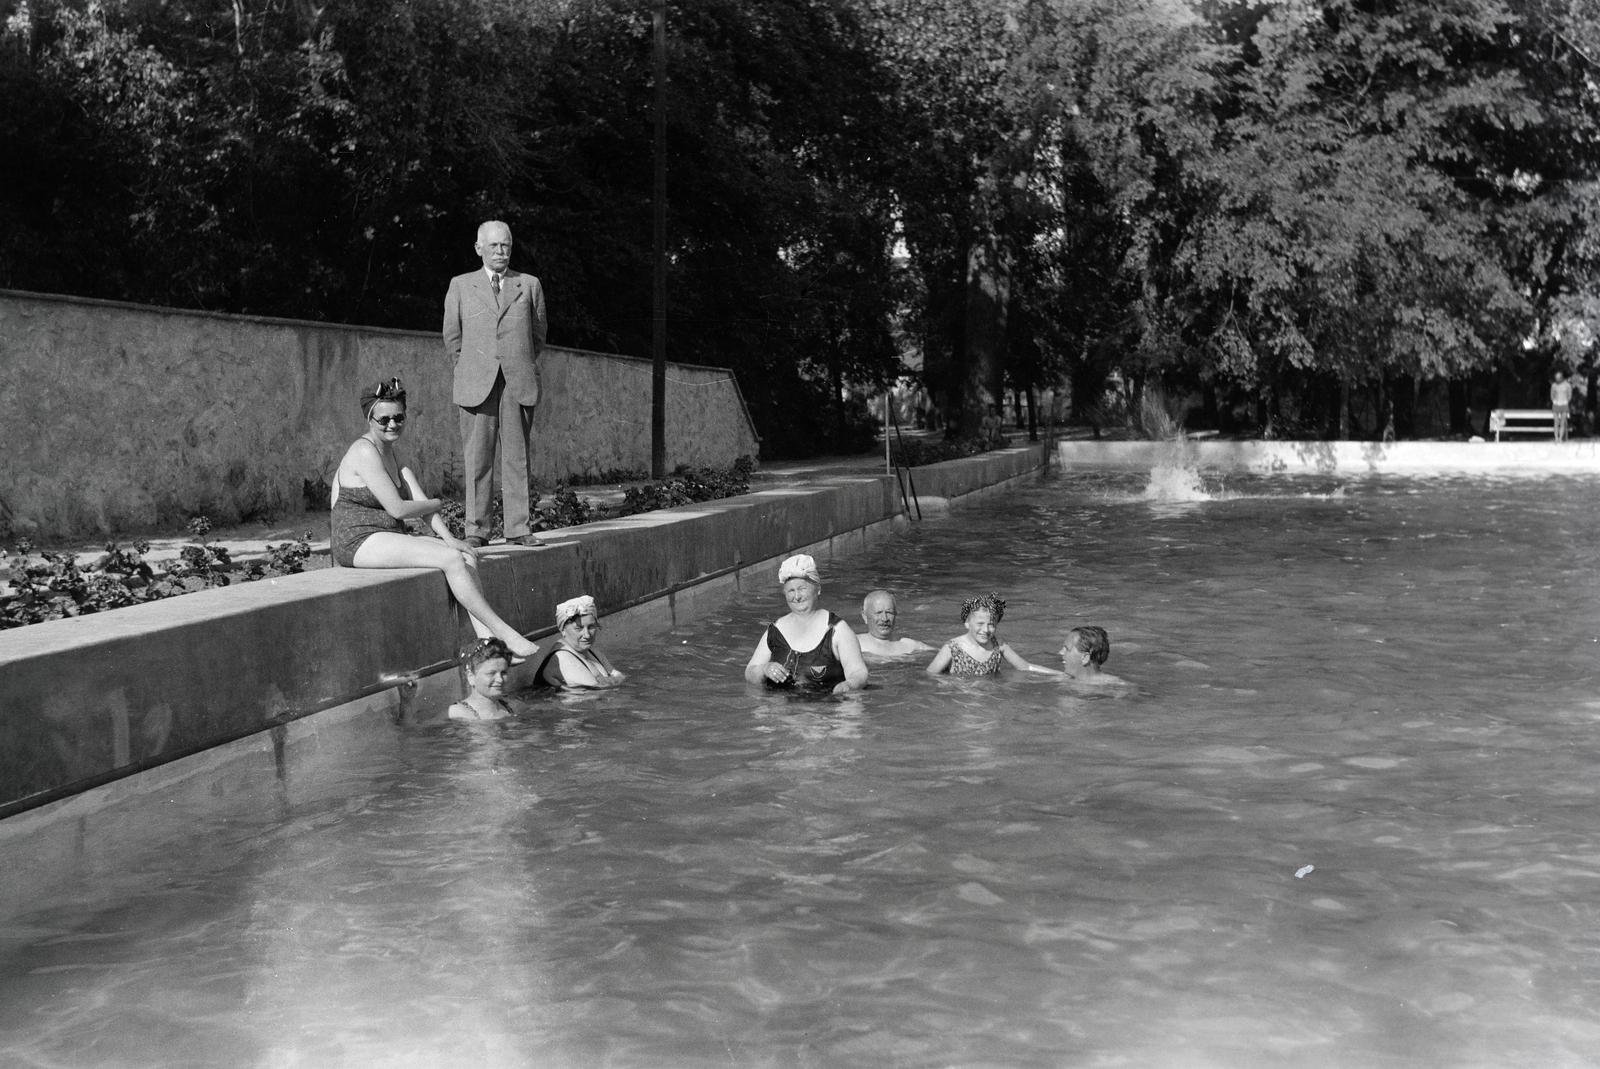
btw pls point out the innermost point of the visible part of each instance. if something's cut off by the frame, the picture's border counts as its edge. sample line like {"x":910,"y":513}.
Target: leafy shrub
{"x":567,"y":509}
{"x":916,"y":452}
{"x":51,"y":586}
{"x":455,"y":518}
{"x":687,"y":485}
{"x":286,"y":558}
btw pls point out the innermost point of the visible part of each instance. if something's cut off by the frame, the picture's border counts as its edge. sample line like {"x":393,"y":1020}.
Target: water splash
{"x":1175,"y":478}
{"x":1175,"y":483}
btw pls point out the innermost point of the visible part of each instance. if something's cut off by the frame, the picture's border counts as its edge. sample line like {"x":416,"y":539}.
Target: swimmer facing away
{"x":980,"y":651}
{"x":1084,"y":651}
{"x":486,"y":663}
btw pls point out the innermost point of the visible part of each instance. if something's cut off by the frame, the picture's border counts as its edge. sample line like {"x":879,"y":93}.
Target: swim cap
{"x":573,"y":608}
{"x":799,"y":566}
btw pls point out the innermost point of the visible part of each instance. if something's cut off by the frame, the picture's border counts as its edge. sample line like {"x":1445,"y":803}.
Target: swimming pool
{"x":1389,"y":681}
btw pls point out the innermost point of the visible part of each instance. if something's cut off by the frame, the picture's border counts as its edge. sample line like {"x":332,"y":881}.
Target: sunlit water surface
{"x":1391,"y":683}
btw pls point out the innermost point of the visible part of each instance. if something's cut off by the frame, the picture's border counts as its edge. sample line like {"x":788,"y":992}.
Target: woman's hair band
{"x":386,"y":390}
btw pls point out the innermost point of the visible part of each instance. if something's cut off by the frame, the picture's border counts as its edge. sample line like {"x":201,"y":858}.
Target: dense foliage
{"x":688,"y":485}
{"x":915,"y":452}
{"x":1306,"y":215}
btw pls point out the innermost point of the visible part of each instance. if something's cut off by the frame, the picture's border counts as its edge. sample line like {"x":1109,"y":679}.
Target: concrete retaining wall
{"x":119,"y":416}
{"x":88,"y":700}
{"x":1341,"y":458}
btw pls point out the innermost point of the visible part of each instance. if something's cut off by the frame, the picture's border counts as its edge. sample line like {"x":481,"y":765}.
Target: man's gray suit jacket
{"x":485,"y":335}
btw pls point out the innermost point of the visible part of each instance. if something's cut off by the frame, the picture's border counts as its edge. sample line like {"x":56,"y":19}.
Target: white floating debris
{"x":1302,"y":873}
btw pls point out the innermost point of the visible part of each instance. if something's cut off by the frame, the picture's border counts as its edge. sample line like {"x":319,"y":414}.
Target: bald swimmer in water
{"x":878,"y":612}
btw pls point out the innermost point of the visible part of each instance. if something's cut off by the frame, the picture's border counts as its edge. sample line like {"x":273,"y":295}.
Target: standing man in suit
{"x":494,"y":328}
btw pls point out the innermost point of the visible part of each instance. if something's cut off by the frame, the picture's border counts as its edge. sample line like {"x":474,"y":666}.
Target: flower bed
{"x":46,"y":585}
{"x":52,"y":586}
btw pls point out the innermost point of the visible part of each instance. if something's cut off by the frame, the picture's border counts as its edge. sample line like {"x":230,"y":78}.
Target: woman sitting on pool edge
{"x":575,"y":662}
{"x":486,"y":663}
{"x":980,"y":651}
{"x":809,"y":647}
{"x":373,"y":496}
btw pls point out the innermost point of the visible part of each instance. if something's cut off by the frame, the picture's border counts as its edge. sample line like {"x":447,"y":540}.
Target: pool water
{"x":1343,"y":815}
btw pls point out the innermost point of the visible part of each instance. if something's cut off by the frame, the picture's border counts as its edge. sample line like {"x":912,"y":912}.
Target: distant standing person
{"x":494,"y":329}
{"x":1561,"y":403}
{"x":878,"y":612}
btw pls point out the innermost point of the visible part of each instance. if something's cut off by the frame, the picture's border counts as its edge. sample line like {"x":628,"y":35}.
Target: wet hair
{"x":993,"y":603}
{"x":385,"y":390}
{"x":1091,"y":640}
{"x":482,"y":651}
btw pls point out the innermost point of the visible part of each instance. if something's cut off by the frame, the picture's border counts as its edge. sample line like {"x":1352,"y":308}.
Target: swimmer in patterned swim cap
{"x":980,"y":652}
{"x":808,"y":648}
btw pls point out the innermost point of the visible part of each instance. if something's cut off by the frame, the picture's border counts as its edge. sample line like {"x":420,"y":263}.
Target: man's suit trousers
{"x":498,"y":423}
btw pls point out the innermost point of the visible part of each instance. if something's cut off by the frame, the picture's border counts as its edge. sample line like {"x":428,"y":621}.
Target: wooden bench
{"x":1528,"y":421}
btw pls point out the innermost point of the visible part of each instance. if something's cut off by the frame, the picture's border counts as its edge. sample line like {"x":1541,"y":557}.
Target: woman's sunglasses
{"x":390,"y":421}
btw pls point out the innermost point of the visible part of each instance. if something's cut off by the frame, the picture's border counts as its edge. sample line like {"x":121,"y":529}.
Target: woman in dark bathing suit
{"x":373,"y":496}
{"x":575,"y":662}
{"x":809,"y":647}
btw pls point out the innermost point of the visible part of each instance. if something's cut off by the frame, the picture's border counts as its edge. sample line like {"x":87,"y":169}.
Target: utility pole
{"x":658,"y":375}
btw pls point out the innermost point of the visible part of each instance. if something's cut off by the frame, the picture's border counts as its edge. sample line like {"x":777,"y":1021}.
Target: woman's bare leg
{"x":393,"y":550}
{"x":479,"y":628}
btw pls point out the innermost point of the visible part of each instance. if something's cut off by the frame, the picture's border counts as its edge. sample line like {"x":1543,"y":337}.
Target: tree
{"x":1360,"y":213}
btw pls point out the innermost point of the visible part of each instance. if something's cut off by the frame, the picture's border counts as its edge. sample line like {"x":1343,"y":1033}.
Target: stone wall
{"x":119,"y":417}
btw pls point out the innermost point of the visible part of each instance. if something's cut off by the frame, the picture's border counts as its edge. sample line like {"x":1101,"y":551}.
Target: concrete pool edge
{"x":91,"y":701}
{"x":1341,"y":457}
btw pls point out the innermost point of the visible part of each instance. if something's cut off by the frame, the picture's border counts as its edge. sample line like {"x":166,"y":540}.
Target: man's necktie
{"x":494,"y":284}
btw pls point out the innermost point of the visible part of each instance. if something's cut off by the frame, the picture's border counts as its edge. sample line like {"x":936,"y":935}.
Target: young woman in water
{"x":980,"y":651}
{"x":486,"y":662}
{"x":576,"y":662}
{"x":809,"y":647}
{"x":373,"y":496}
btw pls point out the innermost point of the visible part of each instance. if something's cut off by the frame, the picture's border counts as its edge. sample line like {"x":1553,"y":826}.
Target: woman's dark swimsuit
{"x":357,"y":516}
{"x":592,"y":662}
{"x":815,"y":669}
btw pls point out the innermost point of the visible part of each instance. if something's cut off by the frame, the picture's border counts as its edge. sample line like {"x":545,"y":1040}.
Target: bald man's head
{"x":878,"y":611}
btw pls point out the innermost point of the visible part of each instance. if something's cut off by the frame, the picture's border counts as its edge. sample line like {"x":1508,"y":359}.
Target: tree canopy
{"x":1270,"y":201}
